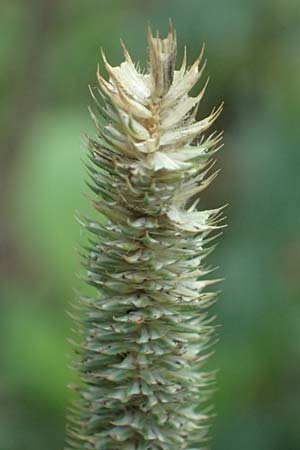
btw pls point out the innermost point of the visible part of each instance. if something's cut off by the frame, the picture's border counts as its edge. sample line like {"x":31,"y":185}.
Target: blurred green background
{"x":48,"y":55}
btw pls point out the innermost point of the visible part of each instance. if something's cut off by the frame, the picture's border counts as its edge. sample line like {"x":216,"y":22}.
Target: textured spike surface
{"x":146,"y":334}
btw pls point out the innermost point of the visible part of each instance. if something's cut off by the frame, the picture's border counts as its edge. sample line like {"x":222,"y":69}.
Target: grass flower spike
{"x":146,"y":333}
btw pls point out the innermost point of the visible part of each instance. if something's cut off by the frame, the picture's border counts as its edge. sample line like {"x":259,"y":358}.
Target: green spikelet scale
{"x":146,"y":334}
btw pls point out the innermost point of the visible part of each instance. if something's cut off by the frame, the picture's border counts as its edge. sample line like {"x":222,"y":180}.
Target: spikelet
{"x":146,"y":334}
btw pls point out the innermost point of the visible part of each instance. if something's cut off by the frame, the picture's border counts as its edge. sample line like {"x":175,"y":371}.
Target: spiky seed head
{"x":146,"y":334}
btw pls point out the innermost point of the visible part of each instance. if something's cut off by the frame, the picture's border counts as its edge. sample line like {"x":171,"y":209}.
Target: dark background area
{"x":48,"y":55}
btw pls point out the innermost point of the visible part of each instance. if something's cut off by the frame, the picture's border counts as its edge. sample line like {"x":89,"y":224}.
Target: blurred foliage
{"x":48,"y":52}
